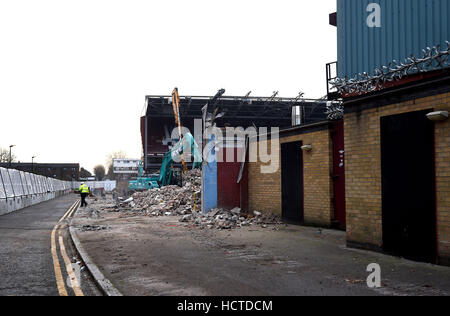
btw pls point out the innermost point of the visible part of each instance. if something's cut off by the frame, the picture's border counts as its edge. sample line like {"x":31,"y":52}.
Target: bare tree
{"x":110,"y":173}
{"x":99,"y":172}
{"x":84,"y":173}
{"x":4,"y":156}
{"x":120,"y":154}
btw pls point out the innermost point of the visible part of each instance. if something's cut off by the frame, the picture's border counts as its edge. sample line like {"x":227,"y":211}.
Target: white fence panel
{"x":46,"y":186}
{"x":108,"y":186}
{"x":29,"y":183}
{"x":50,"y":185}
{"x":2,"y":188}
{"x":40,"y":184}
{"x":7,"y":183}
{"x":16,"y":182}
{"x":26,"y":198}
{"x":3,"y":202}
{"x":34,"y":183}
{"x":24,"y":183}
{"x":20,"y":189}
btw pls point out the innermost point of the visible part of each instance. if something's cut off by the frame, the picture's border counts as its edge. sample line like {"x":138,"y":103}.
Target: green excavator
{"x":168,"y":175}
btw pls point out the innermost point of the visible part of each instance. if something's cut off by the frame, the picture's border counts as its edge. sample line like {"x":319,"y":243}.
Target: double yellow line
{"x":74,"y":282}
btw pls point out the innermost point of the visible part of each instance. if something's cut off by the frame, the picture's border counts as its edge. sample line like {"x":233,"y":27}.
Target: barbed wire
{"x":433,"y":59}
{"x":334,"y":111}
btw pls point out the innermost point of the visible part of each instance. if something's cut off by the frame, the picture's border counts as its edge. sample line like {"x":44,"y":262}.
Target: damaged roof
{"x":239,"y":111}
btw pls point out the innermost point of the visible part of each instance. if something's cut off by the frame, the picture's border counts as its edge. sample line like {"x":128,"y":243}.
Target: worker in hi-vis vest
{"x":84,"y":192}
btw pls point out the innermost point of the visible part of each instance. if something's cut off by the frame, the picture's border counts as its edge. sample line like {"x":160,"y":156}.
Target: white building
{"x":126,"y":168}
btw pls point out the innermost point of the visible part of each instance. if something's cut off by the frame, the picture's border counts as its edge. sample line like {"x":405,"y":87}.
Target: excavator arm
{"x":176,"y":112}
{"x":177,"y":153}
{"x":186,"y":145}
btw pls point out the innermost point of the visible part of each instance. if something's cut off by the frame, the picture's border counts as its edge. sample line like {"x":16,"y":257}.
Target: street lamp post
{"x":10,"y":155}
{"x":32,"y":163}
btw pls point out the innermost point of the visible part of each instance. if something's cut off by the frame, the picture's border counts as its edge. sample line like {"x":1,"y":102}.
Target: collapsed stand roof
{"x":240,"y":111}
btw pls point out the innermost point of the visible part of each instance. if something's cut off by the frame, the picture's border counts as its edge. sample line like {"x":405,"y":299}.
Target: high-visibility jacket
{"x":84,"y":188}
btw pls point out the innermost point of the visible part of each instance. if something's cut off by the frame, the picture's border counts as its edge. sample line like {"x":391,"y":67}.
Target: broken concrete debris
{"x":186,"y":202}
{"x":86,"y":228}
{"x":229,"y":219}
{"x":169,"y":200}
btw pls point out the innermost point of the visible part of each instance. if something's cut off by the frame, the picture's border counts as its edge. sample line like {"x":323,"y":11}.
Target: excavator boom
{"x":185,"y":146}
{"x":176,"y":113}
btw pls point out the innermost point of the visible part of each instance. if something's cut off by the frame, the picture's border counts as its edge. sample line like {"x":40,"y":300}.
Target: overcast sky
{"x":74,"y":74}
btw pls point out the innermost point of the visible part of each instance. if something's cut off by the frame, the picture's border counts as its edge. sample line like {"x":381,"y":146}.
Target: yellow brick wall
{"x":265,"y":189}
{"x":363,"y":170}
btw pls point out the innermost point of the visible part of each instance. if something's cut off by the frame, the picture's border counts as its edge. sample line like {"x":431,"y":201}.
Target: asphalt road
{"x":26,"y":263}
{"x":143,"y":255}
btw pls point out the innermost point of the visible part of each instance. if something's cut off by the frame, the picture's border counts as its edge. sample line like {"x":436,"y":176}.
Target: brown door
{"x":408,"y":186}
{"x":292,"y":182}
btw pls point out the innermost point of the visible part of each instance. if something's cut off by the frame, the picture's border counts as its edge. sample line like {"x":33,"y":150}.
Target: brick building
{"x":398,"y":170}
{"x":308,"y":179}
{"x":392,"y":73}
{"x":60,"y":171}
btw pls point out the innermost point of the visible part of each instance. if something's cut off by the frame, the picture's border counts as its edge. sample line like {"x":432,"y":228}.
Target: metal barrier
{"x":106,"y":186}
{"x":20,"y":189}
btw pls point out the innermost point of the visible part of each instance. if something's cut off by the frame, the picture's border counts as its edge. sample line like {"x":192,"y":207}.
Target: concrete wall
{"x":363,"y":168}
{"x":20,"y":189}
{"x":265,"y":189}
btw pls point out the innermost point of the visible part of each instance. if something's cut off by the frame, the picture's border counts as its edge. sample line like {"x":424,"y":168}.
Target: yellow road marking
{"x":68,"y":211}
{"x":72,"y":277}
{"x":74,"y":209}
{"x":58,"y":273}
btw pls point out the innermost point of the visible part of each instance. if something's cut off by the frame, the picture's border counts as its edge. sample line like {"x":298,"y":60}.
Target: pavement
{"x":144,"y":255}
{"x":27,"y":267}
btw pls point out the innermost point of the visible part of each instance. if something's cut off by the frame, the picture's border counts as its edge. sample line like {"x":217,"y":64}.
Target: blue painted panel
{"x":407,"y":27}
{"x":210,"y":182}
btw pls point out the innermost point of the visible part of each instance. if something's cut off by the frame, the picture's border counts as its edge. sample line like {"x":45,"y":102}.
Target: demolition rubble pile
{"x":186,"y":202}
{"x":168,"y":200}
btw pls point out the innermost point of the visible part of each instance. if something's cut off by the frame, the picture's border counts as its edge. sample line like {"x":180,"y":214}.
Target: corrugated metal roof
{"x":372,"y":33}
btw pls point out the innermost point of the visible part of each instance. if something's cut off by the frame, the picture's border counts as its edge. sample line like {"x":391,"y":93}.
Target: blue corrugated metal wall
{"x":407,"y":27}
